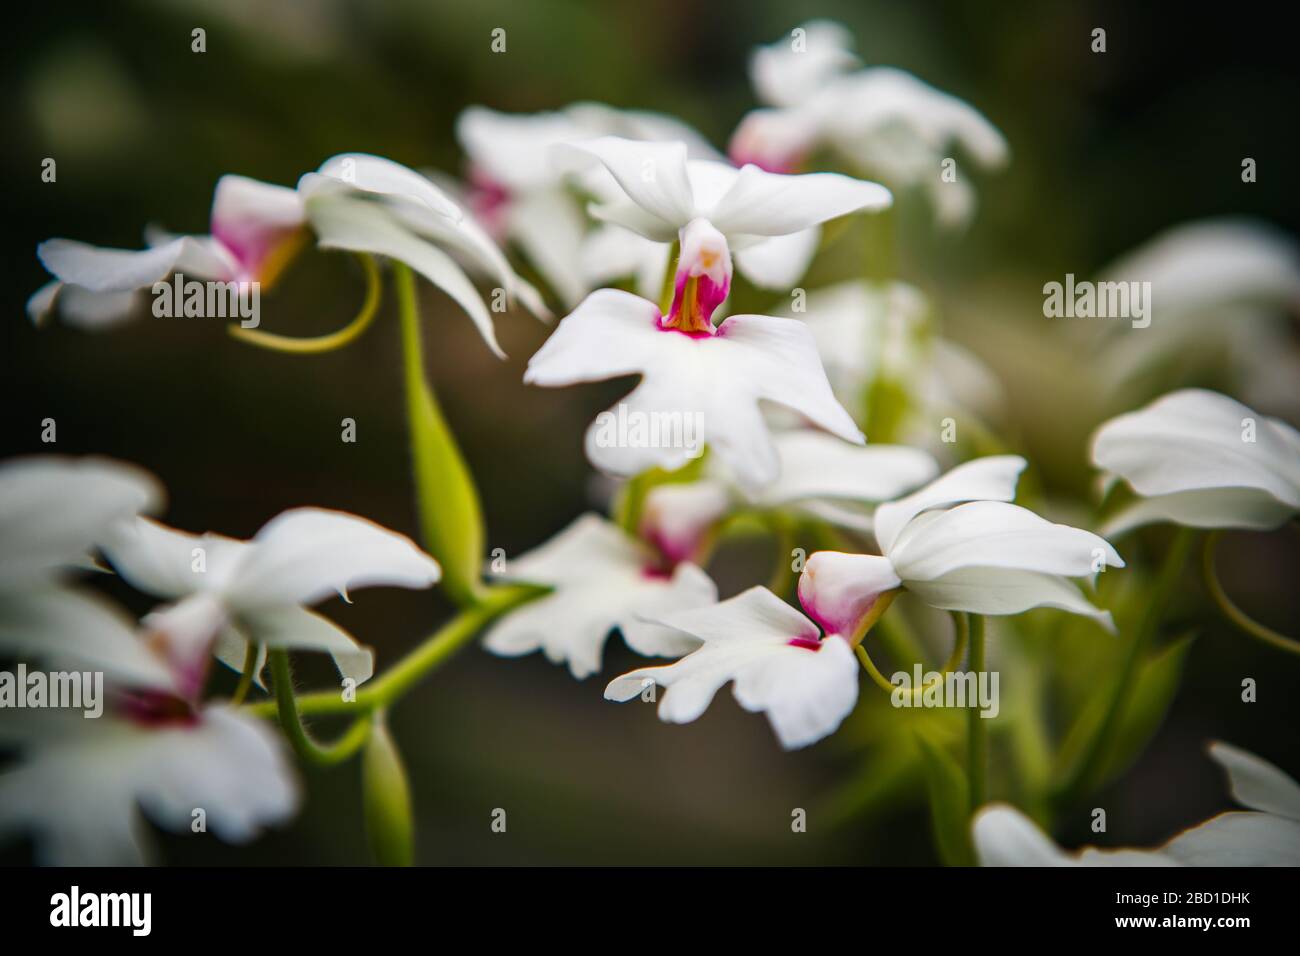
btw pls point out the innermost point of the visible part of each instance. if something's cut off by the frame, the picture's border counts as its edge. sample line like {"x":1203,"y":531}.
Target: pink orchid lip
{"x":769,"y":163}
{"x":151,"y":708}
{"x":675,"y":550}
{"x":487,"y":200}
{"x":808,"y":643}
{"x":845,"y":622}
{"x":256,"y":248}
{"x":695,"y":298}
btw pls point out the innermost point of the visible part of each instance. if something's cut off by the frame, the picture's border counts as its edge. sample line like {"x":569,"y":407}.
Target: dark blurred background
{"x":1107,"y":150}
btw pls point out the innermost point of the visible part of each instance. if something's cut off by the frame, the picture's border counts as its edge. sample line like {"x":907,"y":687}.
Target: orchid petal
{"x":305,"y":555}
{"x":297,"y":628}
{"x":79,"y":793}
{"x":995,"y":534}
{"x":359,"y":226}
{"x":98,"y":269}
{"x":784,"y":75}
{"x":779,"y":262}
{"x":771,"y":204}
{"x":168,"y":563}
{"x":719,"y":378}
{"x":1248,"y":508}
{"x":676,"y":516}
{"x":549,"y":228}
{"x":1006,"y":837}
{"x":815,"y":465}
{"x":1238,"y":839}
{"x":381,"y":177}
{"x":80,"y":630}
{"x":252,"y":219}
{"x":838,"y":590}
{"x":1256,"y":783}
{"x":985,"y":479}
{"x":652,"y":174}
{"x":53,"y":510}
{"x":602,"y":581}
{"x":1195,"y":439}
{"x":998,"y":591}
{"x":805,"y":691}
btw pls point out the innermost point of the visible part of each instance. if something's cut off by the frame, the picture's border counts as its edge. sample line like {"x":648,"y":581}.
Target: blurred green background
{"x":1107,"y":150}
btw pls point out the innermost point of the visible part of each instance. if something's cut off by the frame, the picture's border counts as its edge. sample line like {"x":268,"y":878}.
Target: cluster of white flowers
{"x":637,"y":227}
{"x":159,"y":745}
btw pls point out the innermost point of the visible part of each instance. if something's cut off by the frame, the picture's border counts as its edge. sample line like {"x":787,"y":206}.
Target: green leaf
{"x":386,"y":796}
{"x":887,"y":404}
{"x":949,"y":803}
{"x":1153,"y":691}
{"x":451,"y":518}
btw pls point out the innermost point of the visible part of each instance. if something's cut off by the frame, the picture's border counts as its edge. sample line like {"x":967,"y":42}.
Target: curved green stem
{"x":954,"y":659}
{"x":978,"y":745}
{"x":291,"y":720}
{"x":1158,"y":602}
{"x":251,"y":656}
{"x":418,"y":664}
{"x":870,"y":666}
{"x":1243,"y":621}
{"x":322,"y":343}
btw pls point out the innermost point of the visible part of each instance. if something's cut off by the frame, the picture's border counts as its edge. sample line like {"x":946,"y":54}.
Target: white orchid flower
{"x":519,"y":195}
{"x":713,"y":377}
{"x":1222,"y":293}
{"x":53,"y":512}
{"x":794,"y":68}
{"x":227,"y":592}
{"x":777,"y":659}
{"x":369,"y":204}
{"x":79,"y":785}
{"x":717,"y":212}
{"x":1198,"y":458}
{"x":868,"y":332}
{"x":1267,"y":836}
{"x":959,"y":545}
{"x":880,"y":121}
{"x":256,"y":229}
{"x":820,"y":475}
{"x":602,"y":580}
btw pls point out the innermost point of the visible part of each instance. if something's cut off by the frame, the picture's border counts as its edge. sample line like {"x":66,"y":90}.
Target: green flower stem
{"x":435,"y":652}
{"x":1243,"y":621}
{"x":418,"y":664}
{"x":870,"y":667}
{"x":1157,"y":604}
{"x":322,"y":343}
{"x":977,"y":738}
{"x":960,"y":636}
{"x":291,"y":720}
{"x":667,"y":287}
{"x":251,"y":656}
